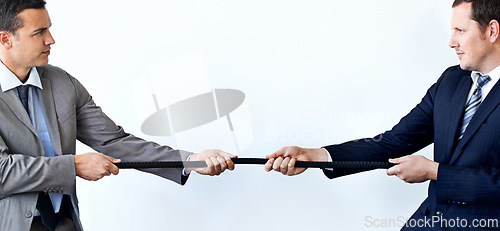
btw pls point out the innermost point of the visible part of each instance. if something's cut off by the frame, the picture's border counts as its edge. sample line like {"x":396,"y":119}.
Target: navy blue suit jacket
{"x":468,"y":182}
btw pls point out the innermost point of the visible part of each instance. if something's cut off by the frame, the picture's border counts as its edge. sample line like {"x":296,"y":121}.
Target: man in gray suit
{"x":43,"y":111}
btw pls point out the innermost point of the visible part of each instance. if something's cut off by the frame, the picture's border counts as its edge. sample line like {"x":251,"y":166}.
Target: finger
{"x":230,"y":163}
{"x":111,"y":159}
{"x":284,"y":166}
{"x":103,"y":171}
{"x":403,"y":178}
{"x":224,"y":154}
{"x":277,"y":163}
{"x":210,"y":167}
{"x":217,"y":167}
{"x":392,"y":171}
{"x":399,"y":160}
{"x":108,"y":167}
{"x":291,"y":167}
{"x":394,"y":161}
{"x":276,"y":154}
{"x":222,"y":162}
{"x":269,"y":165}
{"x":113,"y":169}
{"x":271,"y":156}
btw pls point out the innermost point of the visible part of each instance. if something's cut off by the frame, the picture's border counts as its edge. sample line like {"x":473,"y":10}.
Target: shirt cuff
{"x":329,"y":159}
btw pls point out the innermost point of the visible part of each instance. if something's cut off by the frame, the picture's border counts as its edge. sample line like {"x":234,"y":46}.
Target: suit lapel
{"x":11,"y":99}
{"x":489,"y":104}
{"x":455,"y":113}
{"x":48,"y":105}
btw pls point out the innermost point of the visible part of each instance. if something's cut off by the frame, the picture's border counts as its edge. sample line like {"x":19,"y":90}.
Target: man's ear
{"x":5,"y":39}
{"x":494,"y":29}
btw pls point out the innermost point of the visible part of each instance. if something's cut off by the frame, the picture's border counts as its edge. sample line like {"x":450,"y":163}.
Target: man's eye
{"x":39,"y":32}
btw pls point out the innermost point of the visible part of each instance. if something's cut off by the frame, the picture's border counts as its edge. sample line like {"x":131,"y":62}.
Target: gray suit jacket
{"x":71,"y":114}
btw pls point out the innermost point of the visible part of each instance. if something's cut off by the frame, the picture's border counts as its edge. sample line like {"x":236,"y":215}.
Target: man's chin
{"x":41,"y":63}
{"x":466,"y":67}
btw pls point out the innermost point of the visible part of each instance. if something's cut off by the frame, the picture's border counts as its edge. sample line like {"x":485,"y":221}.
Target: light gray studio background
{"x":314,"y":73}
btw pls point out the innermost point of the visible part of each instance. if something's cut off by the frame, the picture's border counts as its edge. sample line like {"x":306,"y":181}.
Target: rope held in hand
{"x":261,"y":161}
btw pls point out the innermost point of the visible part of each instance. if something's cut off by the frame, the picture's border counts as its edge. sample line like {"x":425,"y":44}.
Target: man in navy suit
{"x":460,"y":114}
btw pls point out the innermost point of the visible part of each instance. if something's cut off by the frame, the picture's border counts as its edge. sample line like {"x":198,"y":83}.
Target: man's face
{"x":31,"y":43}
{"x":469,"y":40}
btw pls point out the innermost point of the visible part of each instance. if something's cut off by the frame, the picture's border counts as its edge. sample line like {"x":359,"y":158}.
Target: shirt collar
{"x":9,"y":81}
{"x":494,"y":75}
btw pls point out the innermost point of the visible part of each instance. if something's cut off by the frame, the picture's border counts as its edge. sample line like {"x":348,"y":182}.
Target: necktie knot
{"x":23,"y":90}
{"x":483,"y":80}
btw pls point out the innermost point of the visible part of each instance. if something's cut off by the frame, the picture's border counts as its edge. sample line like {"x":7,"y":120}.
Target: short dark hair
{"x":9,"y":9}
{"x":483,"y":11}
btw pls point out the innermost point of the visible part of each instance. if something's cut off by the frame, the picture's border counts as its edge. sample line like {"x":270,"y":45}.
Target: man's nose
{"x":453,"y":42}
{"x":50,"y":40}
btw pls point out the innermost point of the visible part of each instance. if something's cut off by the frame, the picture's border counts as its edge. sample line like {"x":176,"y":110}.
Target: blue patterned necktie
{"x":474,"y":102}
{"x":44,"y":204}
{"x":22,"y":91}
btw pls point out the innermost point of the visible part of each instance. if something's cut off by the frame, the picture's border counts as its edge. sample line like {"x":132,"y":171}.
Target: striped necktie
{"x":474,"y":102}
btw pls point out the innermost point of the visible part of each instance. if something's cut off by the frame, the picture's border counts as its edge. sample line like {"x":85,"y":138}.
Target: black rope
{"x":302,"y":164}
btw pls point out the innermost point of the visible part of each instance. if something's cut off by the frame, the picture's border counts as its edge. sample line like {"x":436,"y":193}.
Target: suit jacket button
{"x":439,"y":213}
{"x":28,"y":214}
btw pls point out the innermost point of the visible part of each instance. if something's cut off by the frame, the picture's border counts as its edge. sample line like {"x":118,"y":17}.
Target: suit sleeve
{"x":98,"y":131}
{"x":23,"y":173}
{"x":413,"y":132}
{"x":468,"y":185}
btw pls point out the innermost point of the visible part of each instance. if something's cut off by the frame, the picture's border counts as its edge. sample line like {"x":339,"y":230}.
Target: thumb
{"x":225,"y":154}
{"x":278,"y":153}
{"x":274,"y":155}
{"x":112,"y":160}
{"x":396,"y":160}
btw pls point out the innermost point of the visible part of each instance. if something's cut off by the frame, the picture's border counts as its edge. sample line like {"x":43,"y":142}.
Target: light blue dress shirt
{"x":9,"y":81}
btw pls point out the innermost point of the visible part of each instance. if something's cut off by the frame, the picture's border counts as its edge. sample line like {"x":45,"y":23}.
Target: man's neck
{"x":20,"y":72}
{"x":489,"y":68}
{"x":492,"y":61}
